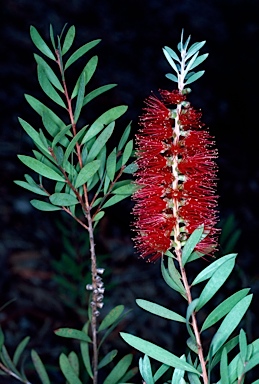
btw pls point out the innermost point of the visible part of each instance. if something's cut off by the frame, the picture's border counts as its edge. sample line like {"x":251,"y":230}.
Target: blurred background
{"x":37,"y":248}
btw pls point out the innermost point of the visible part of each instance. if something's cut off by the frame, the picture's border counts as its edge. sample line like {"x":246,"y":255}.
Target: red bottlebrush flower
{"x":176,"y":174}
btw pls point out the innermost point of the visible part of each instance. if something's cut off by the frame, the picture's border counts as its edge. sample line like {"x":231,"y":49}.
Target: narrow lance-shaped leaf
{"x":63,"y":199}
{"x":100,"y":141}
{"x":145,"y":370}
{"x":67,"y":370}
{"x":44,"y":206}
{"x":40,"y":367}
{"x":159,"y":310}
{"x":111,"y":317}
{"x":19,"y":349}
{"x":88,"y":71}
{"x":119,"y":370}
{"x":191,"y":244}
{"x":107,"y":359}
{"x":98,"y":91}
{"x":49,"y":72}
{"x":194,"y":77}
{"x":40,"y":43}
{"x":80,"y":97}
{"x":111,"y":164}
{"x":40,"y":168}
{"x":124,"y":137}
{"x":157,"y":352}
{"x":73,"y":334}
{"x":80,"y":52}
{"x":170,"y":60}
{"x":69,"y":39}
{"x":84,"y":347}
{"x":87,"y":173}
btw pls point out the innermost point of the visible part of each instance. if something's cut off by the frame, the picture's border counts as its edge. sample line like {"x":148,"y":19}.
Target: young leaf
{"x":87,"y":172}
{"x":170,"y":60}
{"x":208,"y":271}
{"x":63,"y":199}
{"x":19,"y":349}
{"x":69,"y":39}
{"x":67,"y":370}
{"x":158,"y":310}
{"x":40,"y":43}
{"x":198,"y":61}
{"x":80,"y":97}
{"x":107,"y":359}
{"x":98,"y":91}
{"x":194,"y":77}
{"x":157,"y":352}
{"x":99,"y":216}
{"x":119,"y":370}
{"x":40,"y":168}
{"x":172,"y":54}
{"x":216,"y":281}
{"x":49,"y":72}
{"x":191,"y":244}
{"x":51,"y":33}
{"x":145,"y":370}
{"x":194,"y":48}
{"x":172,"y":77}
{"x":164,"y":368}
{"x":32,"y":188}
{"x":80,"y":52}
{"x":224,"y":308}
{"x":230,"y":322}
{"x":73,"y":334}
{"x":111,"y":317}
{"x":105,"y":119}
{"x":38,"y":365}
{"x":43,"y":206}
{"x":177,"y":286}
{"x":100,"y":141}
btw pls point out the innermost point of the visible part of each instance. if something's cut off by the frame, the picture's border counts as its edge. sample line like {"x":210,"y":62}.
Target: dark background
{"x":133,"y":33}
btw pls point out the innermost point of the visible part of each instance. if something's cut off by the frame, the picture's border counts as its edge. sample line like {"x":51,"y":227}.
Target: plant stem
{"x":10,"y":373}
{"x":194,"y":320}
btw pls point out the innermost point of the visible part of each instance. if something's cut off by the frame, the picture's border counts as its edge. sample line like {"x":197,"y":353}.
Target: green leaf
{"x":105,"y":119}
{"x":114,"y":200}
{"x":32,"y":188}
{"x":158,"y":310}
{"x":43,"y":206}
{"x":229,"y":346}
{"x":34,"y":135}
{"x":38,"y":365}
{"x":67,"y":370}
{"x":124,"y":137}
{"x":127,"y":152}
{"x":84,"y":347}
{"x":55,"y":123}
{"x":252,"y":362}
{"x":69,"y":39}
{"x":243,"y":346}
{"x":40,"y":43}
{"x":191,"y":308}
{"x":19,"y":349}
{"x":145,"y":370}
{"x":58,"y":138}
{"x":111,"y":164}
{"x":51,"y":33}
{"x":80,"y":97}
{"x":193,"y":378}
{"x":224,"y":308}
{"x":172,"y":77}
{"x":100,"y":141}
{"x":131,"y":168}
{"x":178,"y":374}
{"x":119,"y":370}
{"x":230,"y":322}
{"x":99,"y":216}
{"x":216,"y":281}
{"x":170,"y":60}
{"x":172,"y":54}
{"x":63,"y":199}
{"x":199,"y":60}
{"x":191,"y":244}
{"x":157,"y":352}
{"x":73,"y":142}
{"x":208,"y":272}
{"x":194,"y":48}
{"x":174,"y":284}
{"x":49,"y":72}
{"x":74,"y":362}
{"x":40,"y":168}
{"x":1,"y":338}
{"x":224,"y":375}
{"x":111,"y":317}
{"x":98,"y":91}
{"x":107,"y":359}
{"x":80,"y":52}
{"x":7,"y":361}
{"x":194,"y":77}
{"x":127,"y":189}
{"x":88,"y":71}
{"x":87,"y":172}
{"x":73,"y":334}
{"x":164,"y":368}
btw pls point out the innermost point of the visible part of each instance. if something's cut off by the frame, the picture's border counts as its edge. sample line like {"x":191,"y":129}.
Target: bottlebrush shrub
{"x":175,"y":218}
{"x":75,"y":172}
